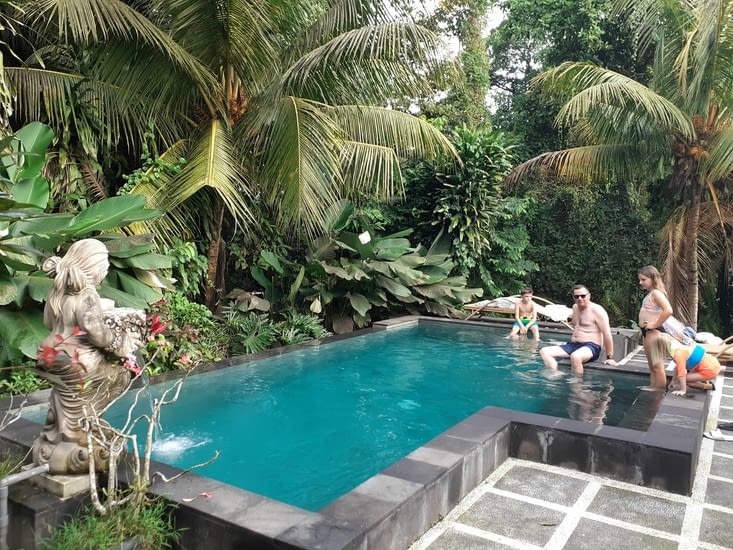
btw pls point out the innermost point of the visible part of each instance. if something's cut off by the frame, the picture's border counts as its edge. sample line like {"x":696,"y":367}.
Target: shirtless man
{"x":591,"y":332}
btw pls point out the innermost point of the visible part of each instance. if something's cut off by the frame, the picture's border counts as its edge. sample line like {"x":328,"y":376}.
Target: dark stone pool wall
{"x":393,"y":508}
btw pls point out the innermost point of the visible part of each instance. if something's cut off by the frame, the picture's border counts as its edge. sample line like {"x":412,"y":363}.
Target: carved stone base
{"x":63,"y":486}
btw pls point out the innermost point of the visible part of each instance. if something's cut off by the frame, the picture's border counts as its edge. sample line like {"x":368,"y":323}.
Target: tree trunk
{"x":693,"y":283}
{"x":214,"y":279}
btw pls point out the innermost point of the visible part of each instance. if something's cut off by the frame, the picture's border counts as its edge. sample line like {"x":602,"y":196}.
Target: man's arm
{"x":605,"y":326}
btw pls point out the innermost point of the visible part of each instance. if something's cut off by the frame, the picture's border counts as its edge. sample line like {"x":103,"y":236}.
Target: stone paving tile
{"x":717,"y":528}
{"x":722,"y":466}
{"x":549,"y":486}
{"x":720,"y":493}
{"x":639,"y":509}
{"x":592,"y":535}
{"x":525,"y":505}
{"x":452,"y":539}
{"x":512,"y":518}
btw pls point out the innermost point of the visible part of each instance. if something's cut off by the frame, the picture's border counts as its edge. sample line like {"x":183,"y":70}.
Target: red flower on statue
{"x":131,"y":365}
{"x":47,"y":355}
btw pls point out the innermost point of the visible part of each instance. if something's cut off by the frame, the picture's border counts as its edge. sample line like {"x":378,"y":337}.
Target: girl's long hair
{"x":653,"y":273}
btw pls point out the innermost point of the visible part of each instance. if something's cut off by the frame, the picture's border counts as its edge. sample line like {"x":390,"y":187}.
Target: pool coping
{"x":395,"y":506}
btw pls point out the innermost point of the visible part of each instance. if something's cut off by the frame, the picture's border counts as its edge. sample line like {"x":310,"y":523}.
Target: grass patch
{"x":151,"y":522}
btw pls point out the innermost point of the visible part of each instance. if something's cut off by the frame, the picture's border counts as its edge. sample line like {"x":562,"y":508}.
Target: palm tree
{"x":679,"y":127}
{"x":278,"y":105}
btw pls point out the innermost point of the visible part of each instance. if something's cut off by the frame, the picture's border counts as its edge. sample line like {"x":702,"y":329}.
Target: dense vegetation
{"x":266,"y":143}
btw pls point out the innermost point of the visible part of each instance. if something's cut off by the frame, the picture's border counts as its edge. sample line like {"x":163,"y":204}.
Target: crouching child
{"x":694,"y":367}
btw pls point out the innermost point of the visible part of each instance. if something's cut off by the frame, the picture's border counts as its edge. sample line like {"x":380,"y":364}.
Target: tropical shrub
{"x":21,"y":380}
{"x":465,"y":211}
{"x":597,"y":236}
{"x":251,"y":332}
{"x":182,"y":334}
{"x":248,"y":332}
{"x":151,"y":524}
{"x":353,"y":282}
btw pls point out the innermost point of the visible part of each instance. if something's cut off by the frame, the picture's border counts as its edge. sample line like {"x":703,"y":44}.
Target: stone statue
{"x":84,"y":357}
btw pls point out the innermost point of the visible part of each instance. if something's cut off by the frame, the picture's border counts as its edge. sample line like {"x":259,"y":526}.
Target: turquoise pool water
{"x":308,"y":426}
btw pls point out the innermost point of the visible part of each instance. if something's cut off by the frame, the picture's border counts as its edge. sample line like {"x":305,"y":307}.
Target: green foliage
{"x":191,"y":336}
{"x":538,"y":34}
{"x":153,"y":168}
{"x":29,"y":234}
{"x":300,"y":323}
{"x":21,"y":381}
{"x":151,"y":523}
{"x":486,"y":229}
{"x":465,"y":100}
{"x":9,"y":463}
{"x":465,"y":209}
{"x":248,"y":332}
{"x":188,"y":267}
{"x":597,"y":236}
{"x":353,"y":282}
{"x":251,"y":332}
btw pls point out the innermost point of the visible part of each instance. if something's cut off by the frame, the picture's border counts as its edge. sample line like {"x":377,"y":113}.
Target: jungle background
{"x":234,"y":154}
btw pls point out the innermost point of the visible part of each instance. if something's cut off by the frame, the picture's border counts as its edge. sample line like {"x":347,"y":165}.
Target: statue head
{"x":85,"y":263}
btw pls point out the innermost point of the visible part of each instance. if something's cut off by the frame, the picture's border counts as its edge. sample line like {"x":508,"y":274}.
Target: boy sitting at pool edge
{"x":694,"y":367}
{"x":525,"y":316}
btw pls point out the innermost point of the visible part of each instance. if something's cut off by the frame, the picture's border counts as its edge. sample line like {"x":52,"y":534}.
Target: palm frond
{"x":578,"y":165}
{"x":96,"y":21}
{"x":212,"y":164}
{"x":300,"y":164}
{"x":594,"y":89}
{"x":341,"y":16}
{"x":368,"y":62}
{"x":409,"y":136}
{"x":370,"y":171}
{"x":235,"y":34}
{"x":709,"y":19}
{"x":649,"y":18}
{"x":53,"y":96}
{"x":176,"y":222}
{"x":675,"y":253}
{"x":719,"y":164}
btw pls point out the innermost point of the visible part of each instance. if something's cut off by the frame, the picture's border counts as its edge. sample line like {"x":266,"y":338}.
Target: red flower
{"x":156,"y":325}
{"x":48,"y":355}
{"x":131,"y":365}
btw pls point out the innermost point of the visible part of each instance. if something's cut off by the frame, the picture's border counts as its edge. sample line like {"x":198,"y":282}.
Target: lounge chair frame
{"x":480,"y":309}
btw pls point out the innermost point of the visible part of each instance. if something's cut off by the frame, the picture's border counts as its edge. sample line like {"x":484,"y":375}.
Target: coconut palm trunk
{"x":215,"y":276}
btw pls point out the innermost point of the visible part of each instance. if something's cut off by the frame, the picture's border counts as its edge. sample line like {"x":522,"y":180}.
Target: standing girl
{"x":655,"y":310}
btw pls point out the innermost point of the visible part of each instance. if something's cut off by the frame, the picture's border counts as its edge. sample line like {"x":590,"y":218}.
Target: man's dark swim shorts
{"x":571,"y":347}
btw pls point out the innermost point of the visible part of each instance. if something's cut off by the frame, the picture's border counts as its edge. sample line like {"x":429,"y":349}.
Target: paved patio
{"x":527,"y":505}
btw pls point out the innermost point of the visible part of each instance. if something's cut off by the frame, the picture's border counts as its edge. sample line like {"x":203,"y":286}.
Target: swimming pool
{"x":308,"y":426}
{"x":402,"y":501}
